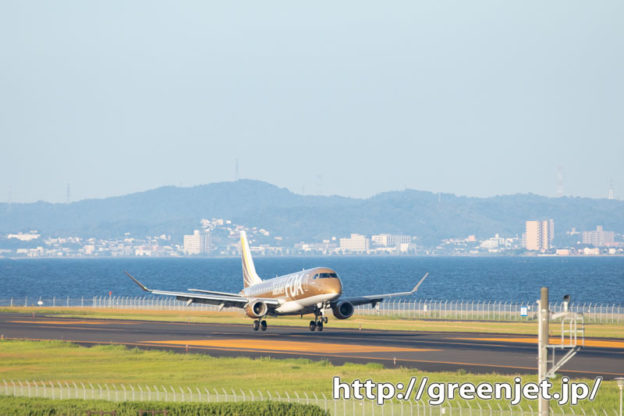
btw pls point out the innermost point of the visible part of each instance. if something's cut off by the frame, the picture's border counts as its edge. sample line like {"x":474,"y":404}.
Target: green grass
{"x":113,"y":364}
{"x":20,"y":406}
{"x":365,"y":322}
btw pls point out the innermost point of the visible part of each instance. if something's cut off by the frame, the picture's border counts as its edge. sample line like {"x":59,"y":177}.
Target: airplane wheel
{"x":325,"y":319}
{"x":256,"y":325}
{"x":319,"y":326}
{"x":263,"y":325}
{"x":312,"y":325}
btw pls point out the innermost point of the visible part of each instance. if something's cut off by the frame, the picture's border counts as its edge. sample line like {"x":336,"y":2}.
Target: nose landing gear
{"x":260,"y":324}
{"x":319,"y":320}
{"x":316,"y":325}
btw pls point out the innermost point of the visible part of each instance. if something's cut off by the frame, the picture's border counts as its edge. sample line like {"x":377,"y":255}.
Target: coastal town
{"x":218,"y":237}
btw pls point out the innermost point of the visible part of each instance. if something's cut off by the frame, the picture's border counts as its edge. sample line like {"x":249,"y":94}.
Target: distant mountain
{"x":431,"y":216}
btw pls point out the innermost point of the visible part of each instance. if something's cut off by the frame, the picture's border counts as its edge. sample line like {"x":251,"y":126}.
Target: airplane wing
{"x":375,"y":299}
{"x":222,"y":299}
{"x":214,"y":292}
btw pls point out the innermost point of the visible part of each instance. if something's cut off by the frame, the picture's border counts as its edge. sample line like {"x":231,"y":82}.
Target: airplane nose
{"x":336,"y":286}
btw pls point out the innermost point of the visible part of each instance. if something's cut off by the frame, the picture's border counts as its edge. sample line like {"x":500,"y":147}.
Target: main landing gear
{"x":259,"y":324}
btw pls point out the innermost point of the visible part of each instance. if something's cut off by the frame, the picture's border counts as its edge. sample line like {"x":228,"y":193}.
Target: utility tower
{"x":559,"y":181}
{"x":611,"y":193}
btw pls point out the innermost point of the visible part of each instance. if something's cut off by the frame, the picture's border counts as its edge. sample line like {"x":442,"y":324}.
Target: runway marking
{"x":553,"y":340}
{"x":70,"y":322}
{"x":294,"y":346}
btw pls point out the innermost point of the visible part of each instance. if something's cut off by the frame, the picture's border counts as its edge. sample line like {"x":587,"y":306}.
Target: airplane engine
{"x":343,"y":310}
{"x":256,"y":309}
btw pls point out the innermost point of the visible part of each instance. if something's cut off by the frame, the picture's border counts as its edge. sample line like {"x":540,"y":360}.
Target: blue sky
{"x":352,"y":98}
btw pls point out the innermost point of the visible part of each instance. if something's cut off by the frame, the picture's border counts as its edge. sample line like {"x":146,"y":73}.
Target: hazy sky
{"x":471,"y":97}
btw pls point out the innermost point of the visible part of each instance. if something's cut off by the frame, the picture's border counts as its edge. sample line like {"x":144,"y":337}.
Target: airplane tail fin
{"x":250,"y":277}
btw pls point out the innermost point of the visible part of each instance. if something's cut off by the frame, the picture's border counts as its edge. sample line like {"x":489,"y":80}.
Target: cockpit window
{"x":327,"y":275}
{"x":316,"y":276}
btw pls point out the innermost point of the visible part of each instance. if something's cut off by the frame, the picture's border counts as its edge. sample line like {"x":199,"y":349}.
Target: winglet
{"x":417,"y":284}
{"x":139,"y":284}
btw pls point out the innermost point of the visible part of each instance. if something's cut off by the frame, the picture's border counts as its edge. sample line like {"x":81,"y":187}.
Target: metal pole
{"x":620,"y":384}
{"x":542,"y":352}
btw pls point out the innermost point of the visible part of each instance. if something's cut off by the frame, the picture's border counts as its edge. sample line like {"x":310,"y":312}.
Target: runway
{"x":431,"y":351}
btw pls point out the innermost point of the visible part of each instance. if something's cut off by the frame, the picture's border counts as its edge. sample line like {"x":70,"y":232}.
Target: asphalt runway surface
{"x":432,"y":351}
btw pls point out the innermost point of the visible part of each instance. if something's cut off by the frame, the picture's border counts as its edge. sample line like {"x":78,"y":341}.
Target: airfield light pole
{"x":620,"y":383}
{"x":542,"y":352}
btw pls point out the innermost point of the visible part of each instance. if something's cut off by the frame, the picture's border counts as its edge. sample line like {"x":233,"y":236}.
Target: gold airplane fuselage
{"x":298,"y":292}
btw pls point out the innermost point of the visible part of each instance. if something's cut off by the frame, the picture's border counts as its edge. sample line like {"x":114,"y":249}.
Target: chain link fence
{"x":338,"y":407}
{"x":422,"y":309}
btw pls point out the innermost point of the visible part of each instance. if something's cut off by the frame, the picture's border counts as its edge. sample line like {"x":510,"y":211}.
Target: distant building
{"x":539,"y":235}
{"x":598,"y":238}
{"x":493,"y":243}
{"x":390,"y":240}
{"x":197,"y":243}
{"x":356,"y":243}
{"x":591,"y":251}
{"x":33,"y":235}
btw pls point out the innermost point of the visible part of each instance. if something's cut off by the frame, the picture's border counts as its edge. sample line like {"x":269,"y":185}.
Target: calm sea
{"x":515,"y":279}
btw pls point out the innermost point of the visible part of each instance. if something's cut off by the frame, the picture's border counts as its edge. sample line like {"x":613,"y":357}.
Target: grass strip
{"x":59,"y":361}
{"x":20,"y":406}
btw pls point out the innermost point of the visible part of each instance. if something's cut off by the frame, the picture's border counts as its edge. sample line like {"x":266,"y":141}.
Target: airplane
{"x":315,"y":291}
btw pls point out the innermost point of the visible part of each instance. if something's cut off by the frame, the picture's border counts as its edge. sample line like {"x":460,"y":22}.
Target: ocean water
{"x":517,"y":279}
